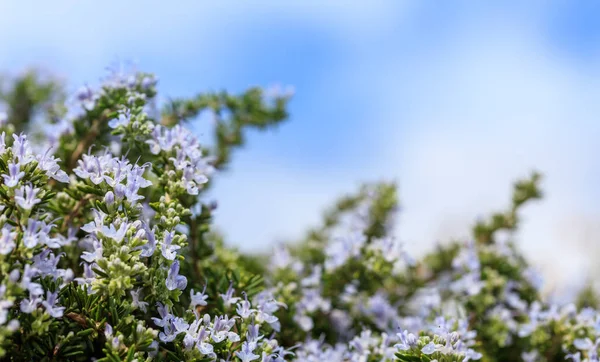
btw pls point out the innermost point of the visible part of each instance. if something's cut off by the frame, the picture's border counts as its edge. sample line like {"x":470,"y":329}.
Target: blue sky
{"x":454,"y":100}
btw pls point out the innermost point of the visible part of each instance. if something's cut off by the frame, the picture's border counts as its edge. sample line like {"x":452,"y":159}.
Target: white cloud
{"x":484,"y":112}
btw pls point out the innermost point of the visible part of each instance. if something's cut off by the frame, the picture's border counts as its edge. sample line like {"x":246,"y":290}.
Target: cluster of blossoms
{"x":107,"y":253}
{"x":190,"y":167}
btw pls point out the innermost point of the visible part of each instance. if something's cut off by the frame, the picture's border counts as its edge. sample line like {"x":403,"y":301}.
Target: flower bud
{"x":109,"y":198}
{"x":14,"y":275}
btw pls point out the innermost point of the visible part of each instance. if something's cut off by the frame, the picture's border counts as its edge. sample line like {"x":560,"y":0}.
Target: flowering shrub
{"x":107,"y":254}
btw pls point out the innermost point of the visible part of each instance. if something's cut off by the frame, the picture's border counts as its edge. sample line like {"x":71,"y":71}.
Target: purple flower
{"x":3,"y":135}
{"x":26,"y":197}
{"x":202,"y":345}
{"x":181,"y":161}
{"x":407,"y":341}
{"x":228,"y":298}
{"x":49,"y":163}
{"x":109,"y":198}
{"x":21,"y":149}
{"x":198,"y":298}
{"x":88,"y":277}
{"x":148,"y":81}
{"x":246,"y":353}
{"x":472,"y":355}
{"x":7,"y":240}
{"x":122,"y":120}
{"x":429,"y":348}
{"x":50,"y":305}
{"x":172,"y":328}
{"x":252,"y":335}
{"x":35,"y":233}
{"x":135,"y":296}
{"x":150,"y":246}
{"x":116,"y":234}
{"x":153,"y":349}
{"x":342,"y":249}
{"x":169,"y":251}
{"x":96,"y":225}
{"x":94,"y":167}
{"x":86,"y":96}
{"x":28,"y":305}
{"x":94,"y":255}
{"x":14,"y":175}
{"x":174,"y":280}
{"x":243,"y":308}
{"x":163,"y":312}
{"x":221,"y":327}
{"x":34,"y":288}
{"x":46,"y":264}
{"x":108,"y":331}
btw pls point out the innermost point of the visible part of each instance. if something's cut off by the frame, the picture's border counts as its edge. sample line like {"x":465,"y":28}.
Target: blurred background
{"x":453,"y":100}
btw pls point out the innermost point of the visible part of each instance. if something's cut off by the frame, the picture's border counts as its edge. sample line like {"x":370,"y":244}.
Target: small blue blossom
{"x":117,"y":234}
{"x":168,"y":250}
{"x":47,"y":162}
{"x":198,"y":299}
{"x":246,"y":353}
{"x":7,"y":240}
{"x":228,"y":298}
{"x":407,"y":341}
{"x":21,"y":149}
{"x":26,"y":197}
{"x":136,"y":302}
{"x":14,"y":175}
{"x":50,"y":305}
{"x":429,"y":348}
{"x":122,"y":119}
{"x":28,"y":305}
{"x":174,"y":280}
{"x":243,"y":308}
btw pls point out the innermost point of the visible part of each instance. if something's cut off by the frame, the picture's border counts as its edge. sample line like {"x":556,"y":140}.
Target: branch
{"x":84,"y":144}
